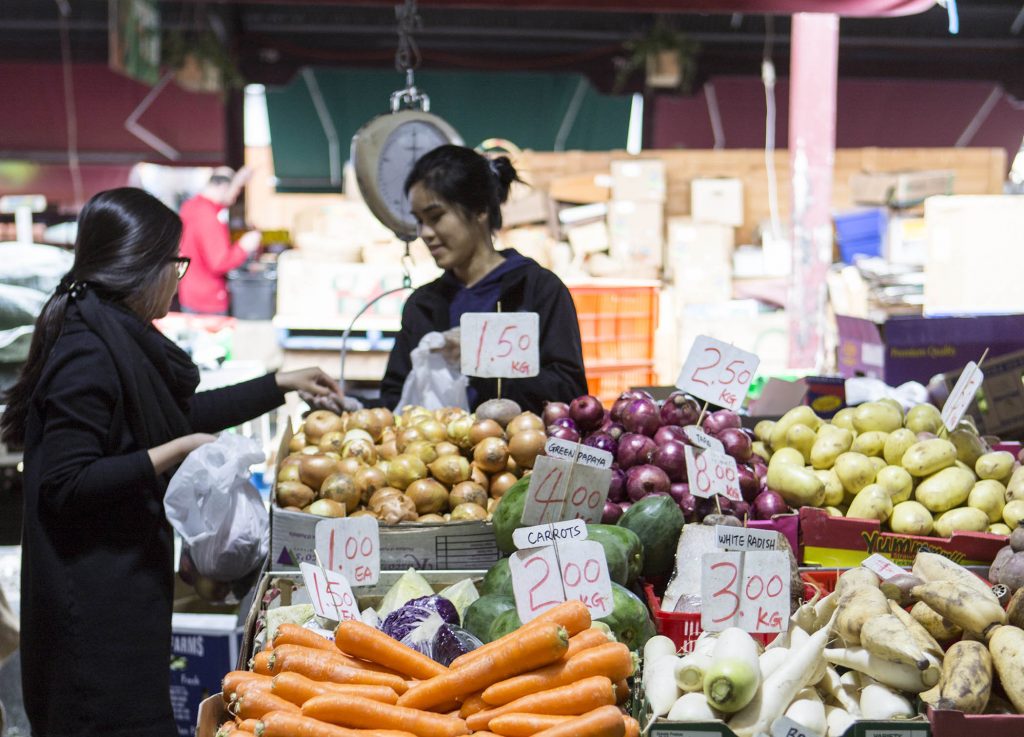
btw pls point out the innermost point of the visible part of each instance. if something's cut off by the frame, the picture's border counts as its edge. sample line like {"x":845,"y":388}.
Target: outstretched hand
{"x":311,"y":381}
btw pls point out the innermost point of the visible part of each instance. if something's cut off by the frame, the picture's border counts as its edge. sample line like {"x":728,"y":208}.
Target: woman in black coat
{"x":106,"y":409}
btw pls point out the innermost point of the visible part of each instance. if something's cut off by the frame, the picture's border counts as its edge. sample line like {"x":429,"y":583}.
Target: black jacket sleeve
{"x":219,"y":409}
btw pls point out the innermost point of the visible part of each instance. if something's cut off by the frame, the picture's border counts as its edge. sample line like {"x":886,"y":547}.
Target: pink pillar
{"x":812,"y":143}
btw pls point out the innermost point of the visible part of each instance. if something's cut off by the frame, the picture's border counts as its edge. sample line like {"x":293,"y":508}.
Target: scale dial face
{"x":385,"y":151}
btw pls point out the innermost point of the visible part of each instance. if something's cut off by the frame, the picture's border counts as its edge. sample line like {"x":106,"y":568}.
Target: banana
{"x":922,"y":638}
{"x":856,"y":578}
{"x":963,"y":606}
{"x":1007,"y":647}
{"x":886,"y":637}
{"x":966,"y":678}
{"x":856,"y":608}
{"x":932,"y":567}
{"x":932,"y":695}
{"x":898,"y":588}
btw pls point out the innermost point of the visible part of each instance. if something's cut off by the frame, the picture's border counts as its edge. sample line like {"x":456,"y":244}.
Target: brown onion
{"x":526,"y":445}
{"x":502,"y":483}
{"x":491,"y":454}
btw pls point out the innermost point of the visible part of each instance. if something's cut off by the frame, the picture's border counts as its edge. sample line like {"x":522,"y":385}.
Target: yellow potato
{"x":763,"y":430}
{"x":945,"y":490}
{"x":969,"y":447}
{"x":997,"y":465}
{"x":870,"y":443}
{"x":759,"y":448}
{"x":871,"y":502}
{"x":844,"y":418}
{"x":924,"y":418}
{"x":801,"y":438}
{"x":788,"y":457}
{"x":877,"y":463}
{"x":1015,"y":486}
{"x":802,"y":415}
{"x":1013,"y":513}
{"x":964,"y":519}
{"x":990,"y":497}
{"x":834,"y":512}
{"x":855,"y":471}
{"x":966,"y":469}
{"x":797,"y":485}
{"x":829,"y":445}
{"x":999,"y":529}
{"x":897,"y":444}
{"x":834,"y":491}
{"x":911,"y":518}
{"x":877,"y":416}
{"x":897,"y":481}
{"x":929,"y":456}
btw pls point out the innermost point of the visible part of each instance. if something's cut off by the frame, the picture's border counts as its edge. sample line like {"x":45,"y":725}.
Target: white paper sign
{"x":743,"y":538}
{"x":710,"y":472}
{"x":559,"y":532}
{"x":745,"y":590}
{"x":584,"y":454}
{"x":786,"y":727}
{"x":545,"y":577}
{"x":500,"y":344}
{"x":882,"y":566}
{"x":718,"y":372}
{"x":350,"y":546}
{"x":962,"y":395}
{"x":702,"y":440}
{"x":560,"y":490}
{"x":330,"y":593}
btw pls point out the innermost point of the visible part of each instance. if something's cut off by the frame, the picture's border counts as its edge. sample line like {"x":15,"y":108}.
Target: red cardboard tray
{"x":957,"y":724}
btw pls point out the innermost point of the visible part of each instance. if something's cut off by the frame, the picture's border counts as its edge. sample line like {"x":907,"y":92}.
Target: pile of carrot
{"x":553,"y":677}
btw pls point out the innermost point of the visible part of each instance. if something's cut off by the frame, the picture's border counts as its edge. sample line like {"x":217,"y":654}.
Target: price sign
{"x":882,"y":567}
{"x":711,"y":472}
{"x":351,"y":547}
{"x":962,"y":395}
{"x":718,"y":372}
{"x":702,"y":440}
{"x":330,"y":593}
{"x":545,"y":577}
{"x":745,"y":590}
{"x":556,"y":534}
{"x":560,"y":490}
{"x":500,"y":344}
{"x":580,"y":453}
{"x":786,"y":727}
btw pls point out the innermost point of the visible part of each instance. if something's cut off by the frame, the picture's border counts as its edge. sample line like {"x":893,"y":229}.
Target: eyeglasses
{"x":180,"y":265}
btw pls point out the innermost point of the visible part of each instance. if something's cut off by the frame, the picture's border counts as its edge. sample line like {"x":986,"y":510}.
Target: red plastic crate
{"x":617,"y":323}
{"x":608,"y":382}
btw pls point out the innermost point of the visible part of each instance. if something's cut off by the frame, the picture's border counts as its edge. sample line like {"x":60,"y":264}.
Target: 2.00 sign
{"x":542,"y":579}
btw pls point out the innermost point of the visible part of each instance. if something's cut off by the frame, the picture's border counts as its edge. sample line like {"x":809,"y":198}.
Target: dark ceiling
{"x":274,"y":39}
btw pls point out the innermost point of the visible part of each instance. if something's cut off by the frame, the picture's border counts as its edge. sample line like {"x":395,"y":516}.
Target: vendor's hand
{"x":250,"y":241}
{"x":312,"y":381}
{"x":452,"y":349}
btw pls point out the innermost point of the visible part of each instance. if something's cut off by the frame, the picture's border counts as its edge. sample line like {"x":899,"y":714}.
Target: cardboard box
{"x":212,"y":714}
{"x":692,"y":247}
{"x":636,"y":234}
{"x":915,"y":348}
{"x":527,"y":208}
{"x":947,"y":723}
{"x":907,"y":241}
{"x":741,"y":323}
{"x":899,"y":188}
{"x":640,"y":180}
{"x":717,"y":201}
{"x":204,"y":647}
{"x":838,"y":542}
{"x":998,"y":408}
{"x":582,"y":189}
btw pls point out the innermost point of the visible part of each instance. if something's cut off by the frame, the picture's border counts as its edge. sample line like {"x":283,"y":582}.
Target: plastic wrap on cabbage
{"x":404,"y":620}
{"x":438,"y":604}
{"x":441,"y":641}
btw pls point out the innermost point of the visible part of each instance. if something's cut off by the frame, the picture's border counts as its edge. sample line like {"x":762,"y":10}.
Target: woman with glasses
{"x":105,"y":409}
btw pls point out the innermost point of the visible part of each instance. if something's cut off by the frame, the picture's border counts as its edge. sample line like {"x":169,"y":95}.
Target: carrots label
{"x":330,"y":593}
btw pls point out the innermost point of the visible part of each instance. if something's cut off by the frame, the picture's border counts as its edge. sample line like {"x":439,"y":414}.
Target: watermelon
{"x":507,"y":622}
{"x":657,"y":521}
{"x":629,"y":621}
{"x":508,"y":515}
{"x":498,"y":579}
{"x":614,"y":552}
{"x":613,"y":536}
{"x":484,"y":612}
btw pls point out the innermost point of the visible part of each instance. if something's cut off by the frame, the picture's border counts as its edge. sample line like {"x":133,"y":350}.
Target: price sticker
{"x":581,"y":453}
{"x":882,"y":567}
{"x":500,"y":344}
{"x":786,"y":727}
{"x":330,"y":593}
{"x":560,"y":490}
{"x":351,"y":547}
{"x":702,"y":440}
{"x":745,"y":590}
{"x":962,"y":395}
{"x":711,"y":473}
{"x":718,"y":372}
{"x":545,"y":577}
{"x":744,"y":538}
{"x":556,"y":534}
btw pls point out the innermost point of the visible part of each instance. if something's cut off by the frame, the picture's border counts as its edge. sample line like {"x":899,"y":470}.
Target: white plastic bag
{"x":433,"y":382}
{"x":215,"y":509}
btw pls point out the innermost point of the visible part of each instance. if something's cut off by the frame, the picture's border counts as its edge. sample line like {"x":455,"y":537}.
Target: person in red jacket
{"x":207,"y":241}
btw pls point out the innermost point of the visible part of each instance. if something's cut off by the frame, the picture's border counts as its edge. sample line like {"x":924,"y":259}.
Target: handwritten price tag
{"x":330,"y":593}
{"x":582,"y":453}
{"x":543,"y":578}
{"x":500,"y":344}
{"x":882,"y":567}
{"x":718,"y":372}
{"x":560,"y":490}
{"x":745,"y":590}
{"x":711,"y":472}
{"x":702,"y":440}
{"x":962,"y":395}
{"x":351,"y":547}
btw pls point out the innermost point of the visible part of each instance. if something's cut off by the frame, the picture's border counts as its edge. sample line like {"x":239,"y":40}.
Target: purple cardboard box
{"x":917,"y":348}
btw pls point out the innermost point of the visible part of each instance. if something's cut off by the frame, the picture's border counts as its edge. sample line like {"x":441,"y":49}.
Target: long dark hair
{"x":467,"y":179}
{"x":125,"y":239}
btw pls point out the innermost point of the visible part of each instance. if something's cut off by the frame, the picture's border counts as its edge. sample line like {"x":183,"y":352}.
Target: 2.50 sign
{"x":718,"y":372}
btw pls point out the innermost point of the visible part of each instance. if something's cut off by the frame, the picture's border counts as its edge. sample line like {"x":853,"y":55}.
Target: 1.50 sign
{"x":500,"y":344}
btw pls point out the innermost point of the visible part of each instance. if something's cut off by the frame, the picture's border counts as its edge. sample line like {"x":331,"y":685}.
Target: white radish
{"x":735,"y":674}
{"x":656,"y":648}
{"x":852,"y":681}
{"x":661,"y":689}
{"x":878,"y":702}
{"x":838,"y":721}
{"x":690,"y":671}
{"x":771,"y":660}
{"x":808,"y":711}
{"x":805,"y":617}
{"x":797,"y":637}
{"x":844,"y":695}
{"x":896,"y":675}
{"x":691,"y":707}
{"x":824,"y":609}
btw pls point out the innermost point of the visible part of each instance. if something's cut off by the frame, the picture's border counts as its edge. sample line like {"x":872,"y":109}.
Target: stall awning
{"x":538,"y":111}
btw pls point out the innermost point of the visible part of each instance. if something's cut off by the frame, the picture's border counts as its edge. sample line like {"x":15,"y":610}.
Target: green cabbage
{"x":461,"y":594}
{"x":410,"y":586}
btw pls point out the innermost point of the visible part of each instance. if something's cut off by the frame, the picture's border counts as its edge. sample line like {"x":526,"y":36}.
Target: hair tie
{"x":73,"y":289}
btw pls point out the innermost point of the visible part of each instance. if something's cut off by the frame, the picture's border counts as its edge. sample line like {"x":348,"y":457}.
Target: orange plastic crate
{"x":617,"y":323}
{"x":607,"y":383}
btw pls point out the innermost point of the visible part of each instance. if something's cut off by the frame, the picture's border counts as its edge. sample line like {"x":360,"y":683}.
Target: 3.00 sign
{"x":749,"y":590}
{"x":718,"y":372}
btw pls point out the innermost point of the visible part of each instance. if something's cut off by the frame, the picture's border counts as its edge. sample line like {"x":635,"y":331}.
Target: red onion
{"x":670,"y":457}
{"x":646,"y":480}
{"x":587,"y":412}
{"x":617,"y":489}
{"x":670,"y":432}
{"x":624,"y":506}
{"x":641,"y":416}
{"x":768,"y":504}
{"x":715,"y":422}
{"x":703,"y":507}
{"x":750,"y":487}
{"x":634,"y":450}
{"x":736,"y":443}
{"x":740,"y":510}
{"x":680,"y":409}
{"x":563,"y":433}
{"x":566,"y":422}
{"x":724,"y":503}
{"x":611,"y":514}
{"x":553,"y":411}
{"x":615,"y":429}
{"x":678,"y":491}
{"x":603,"y":441}
{"x":687,"y":501}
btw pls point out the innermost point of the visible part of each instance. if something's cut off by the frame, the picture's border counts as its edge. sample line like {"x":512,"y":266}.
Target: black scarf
{"x":157,"y":377}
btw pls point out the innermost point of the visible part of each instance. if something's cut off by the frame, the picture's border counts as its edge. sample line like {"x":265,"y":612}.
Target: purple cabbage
{"x":444,"y":608}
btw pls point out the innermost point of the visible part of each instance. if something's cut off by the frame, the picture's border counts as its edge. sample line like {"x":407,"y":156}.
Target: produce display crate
{"x":946,"y":723}
{"x":617,"y":321}
{"x":608,"y":382}
{"x":681,"y":627}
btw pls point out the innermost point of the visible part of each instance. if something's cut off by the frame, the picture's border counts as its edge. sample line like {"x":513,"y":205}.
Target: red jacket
{"x":206,"y":240}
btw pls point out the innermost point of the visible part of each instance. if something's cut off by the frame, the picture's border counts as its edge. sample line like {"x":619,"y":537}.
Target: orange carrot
{"x":334,"y":652}
{"x":229,"y":684}
{"x":521,"y":724}
{"x":622,"y":692}
{"x":573,"y":699}
{"x":586,"y":639}
{"x":321,"y":665}
{"x":261,"y":662}
{"x":573,"y":615}
{"x":299,"y":689}
{"x":471,"y":705}
{"x":605,"y":721}
{"x":535,"y":647}
{"x":352,"y":711}
{"x":293,"y":634}
{"x":362,"y":641}
{"x":248,"y":725}
{"x":612,"y":659}
{"x":632,"y":726}
{"x":225,"y":729}
{"x":288,"y":724}
{"x":254,"y":704}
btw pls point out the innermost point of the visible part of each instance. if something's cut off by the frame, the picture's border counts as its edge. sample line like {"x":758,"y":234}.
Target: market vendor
{"x":105,"y":409}
{"x":456,"y":196}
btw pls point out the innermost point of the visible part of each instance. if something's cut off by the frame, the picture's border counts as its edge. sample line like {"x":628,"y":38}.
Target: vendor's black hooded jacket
{"x":526,"y":288}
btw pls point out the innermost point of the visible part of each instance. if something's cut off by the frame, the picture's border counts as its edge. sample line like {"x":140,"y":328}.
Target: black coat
{"x":528,"y":288}
{"x":97,"y":569}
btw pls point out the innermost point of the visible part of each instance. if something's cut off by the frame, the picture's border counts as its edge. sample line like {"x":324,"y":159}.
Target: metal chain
{"x":407,"y":57}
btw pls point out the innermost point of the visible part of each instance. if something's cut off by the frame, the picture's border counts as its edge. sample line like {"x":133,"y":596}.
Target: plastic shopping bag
{"x":433,"y":382}
{"x":215,"y":509}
